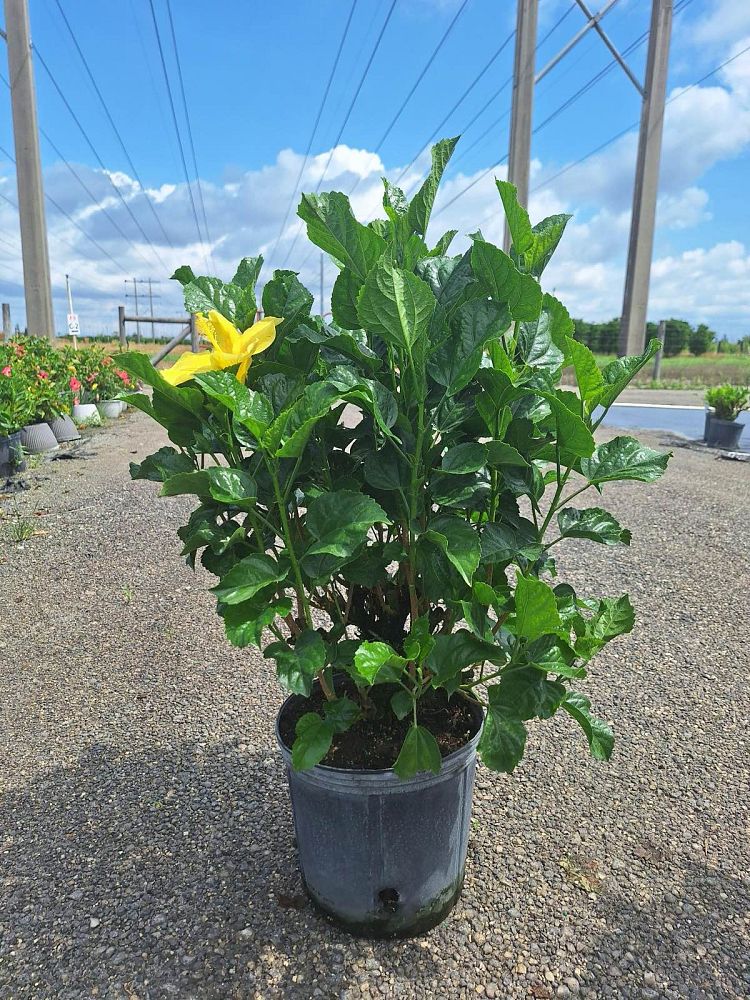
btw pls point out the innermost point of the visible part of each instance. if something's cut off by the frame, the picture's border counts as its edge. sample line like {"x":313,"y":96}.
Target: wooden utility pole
{"x":642,"y":223}
{"x":7,"y":328}
{"x":519,"y":154}
{"x":34,"y":251}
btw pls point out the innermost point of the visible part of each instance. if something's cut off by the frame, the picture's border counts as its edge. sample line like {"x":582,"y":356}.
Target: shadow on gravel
{"x":696,"y":944}
{"x":165,"y":873}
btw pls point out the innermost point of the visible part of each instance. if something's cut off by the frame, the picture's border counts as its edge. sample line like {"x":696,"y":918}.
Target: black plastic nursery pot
{"x":724,"y":433}
{"x":381,"y":856}
{"x":11,"y":455}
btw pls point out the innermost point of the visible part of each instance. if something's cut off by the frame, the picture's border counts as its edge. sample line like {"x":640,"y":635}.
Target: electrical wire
{"x":98,"y":158}
{"x":111,"y":121}
{"x":314,"y":130}
{"x":416,"y":83}
{"x":353,"y":101}
{"x":176,"y":126}
{"x":189,"y":126}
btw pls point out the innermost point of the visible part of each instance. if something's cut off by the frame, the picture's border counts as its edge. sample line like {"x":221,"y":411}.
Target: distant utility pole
{"x":36,"y":277}
{"x":151,"y":296}
{"x":642,"y":222}
{"x":519,"y":154}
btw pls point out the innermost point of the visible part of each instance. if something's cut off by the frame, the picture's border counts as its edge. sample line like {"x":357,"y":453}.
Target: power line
{"x":189,"y":127}
{"x":111,"y":121}
{"x":416,"y":83}
{"x":174,"y":122}
{"x":98,"y":158}
{"x":353,"y":101}
{"x":321,"y":107}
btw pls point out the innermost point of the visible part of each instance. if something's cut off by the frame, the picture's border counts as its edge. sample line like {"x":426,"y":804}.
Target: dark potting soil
{"x":374,"y":743}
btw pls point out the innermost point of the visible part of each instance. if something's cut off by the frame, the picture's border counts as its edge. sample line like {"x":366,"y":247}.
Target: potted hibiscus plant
{"x":380,"y":497}
{"x":725,"y":404}
{"x":15,"y":413}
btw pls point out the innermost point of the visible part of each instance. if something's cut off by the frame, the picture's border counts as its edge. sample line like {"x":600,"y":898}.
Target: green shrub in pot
{"x":727,"y":401}
{"x":413,"y":546}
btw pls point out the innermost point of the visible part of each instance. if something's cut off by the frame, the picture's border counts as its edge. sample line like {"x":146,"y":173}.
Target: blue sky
{"x":255,"y":74}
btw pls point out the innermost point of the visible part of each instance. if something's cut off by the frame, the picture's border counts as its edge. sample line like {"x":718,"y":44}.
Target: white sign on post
{"x":73,"y":328}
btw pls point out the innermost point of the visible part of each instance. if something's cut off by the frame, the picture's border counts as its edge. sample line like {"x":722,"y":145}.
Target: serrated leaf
{"x":593,"y":523}
{"x":332,"y":227}
{"x":624,"y":458}
{"x":401,"y":704}
{"x":247,"y":577}
{"x":314,"y":738}
{"x":420,"y":752}
{"x":244,"y":623}
{"x":285,"y":295}
{"x":342,"y":713}
{"x":396,"y":305}
{"x":421,"y":204}
{"x":464,"y":458}
{"x":501,"y":279}
{"x":297,"y":665}
{"x":519,"y":225}
{"x":346,"y":289}
{"x":536,"y":608}
{"x":598,"y":734}
{"x":620,"y":372}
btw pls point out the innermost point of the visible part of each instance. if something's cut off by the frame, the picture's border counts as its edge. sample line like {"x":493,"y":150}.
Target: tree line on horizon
{"x":602,"y":338}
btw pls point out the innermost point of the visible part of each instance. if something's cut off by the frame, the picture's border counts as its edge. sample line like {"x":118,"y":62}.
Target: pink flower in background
{"x":7,"y":371}
{"x":107,"y":361}
{"x":123,"y":375}
{"x":42,"y":374}
{"x":75,"y":384}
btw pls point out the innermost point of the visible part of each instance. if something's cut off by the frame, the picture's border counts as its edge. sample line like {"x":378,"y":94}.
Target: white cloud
{"x":706,"y":125}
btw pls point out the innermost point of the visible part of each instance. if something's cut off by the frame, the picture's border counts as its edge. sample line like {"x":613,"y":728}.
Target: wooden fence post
{"x":121,"y":325}
{"x":7,"y":330}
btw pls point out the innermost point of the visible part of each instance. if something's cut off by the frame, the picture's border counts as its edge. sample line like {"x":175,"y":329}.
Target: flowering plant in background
{"x":110,"y":379}
{"x":404,"y":557}
{"x":15,"y":405}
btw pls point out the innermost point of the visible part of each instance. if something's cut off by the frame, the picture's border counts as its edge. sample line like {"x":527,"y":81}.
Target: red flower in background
{"x":75,"y":384}
{"x":123,"y":375}
{"x":7,"y":371}
{"x":19,"y":349}
{"x":91,"y":378}
{"x":106,"y":361}
{"x":42,"y":374}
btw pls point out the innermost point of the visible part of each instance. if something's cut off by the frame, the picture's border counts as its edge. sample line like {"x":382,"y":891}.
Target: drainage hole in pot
{"x":388,"y":899}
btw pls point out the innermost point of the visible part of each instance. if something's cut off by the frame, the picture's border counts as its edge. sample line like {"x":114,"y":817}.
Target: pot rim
{"x":449,"y":763}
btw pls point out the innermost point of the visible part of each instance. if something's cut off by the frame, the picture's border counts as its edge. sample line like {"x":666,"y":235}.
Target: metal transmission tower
{"x":519,"y":155}
{"x":641,"y":246}
{"x":36,"y":275}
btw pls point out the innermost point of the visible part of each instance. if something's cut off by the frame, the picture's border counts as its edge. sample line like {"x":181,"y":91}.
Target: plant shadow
{"x":168,"y":872}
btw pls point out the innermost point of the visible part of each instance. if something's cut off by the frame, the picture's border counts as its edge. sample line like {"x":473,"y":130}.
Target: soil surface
{"x":375,"y":743}
{"x":146,"y":838}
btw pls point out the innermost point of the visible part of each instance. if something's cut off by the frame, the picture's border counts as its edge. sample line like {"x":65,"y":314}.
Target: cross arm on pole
{"x":596,"y":25}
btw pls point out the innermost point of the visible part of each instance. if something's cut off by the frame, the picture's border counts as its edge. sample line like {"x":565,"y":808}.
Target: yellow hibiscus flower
{"x":229,"y":347}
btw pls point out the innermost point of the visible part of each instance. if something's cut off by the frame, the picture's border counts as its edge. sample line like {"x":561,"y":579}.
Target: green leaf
{"x":396,"y":305}
{"x":519,"y":225}
{"x":501,"y":279}
{"x":232,"y":486}
{"x":247,"y":577}
{"x":287,"y":436}
{"x":244,"y":623}
{"x":576,"y":440}
{"x":401,"y":704}
{"x":248,"y":272}
{"x":547,"y":234}
{"x":386,"y":470}
{"x":502,"y":742}
{"x":453,"y":653}
{"x":377,"y":662}
{"x":339,"y":523}
{"x":194,"y":483}
{"x":451,"y":279}
{"x":499,"y":454}
{"x":624,"y":458}
{"x":285,"y":296}
{"x":455,"y":361}
{"x":593,"y":523}
{"x":588,"y":375}
{"x":420,"y":752}
{"x":332,"y":227}
{"x":422,"y":202}
{"x":599,"y":735}
{"x":503,"y":542}
{"x":618,"y":374}
{"x":251,"y":408}
{"x":184,"y":274}
{"x":161,"y":465}
{"x":463,"y":458}
{"x":536,"y":608}
{"x":553,"y":655}
{"x":394,"y":201}
{"x":204,"y":294}
{"x":370,"y":394}
{"x":441,"y":247}
{"x":184,"y":398}
{"x":346,"y":289}
{"x":342,"y":713}
{"x":314,"y":738}
{"x":615,"y":616}
{"x":458,"y":539}
{"x":297,"y":665}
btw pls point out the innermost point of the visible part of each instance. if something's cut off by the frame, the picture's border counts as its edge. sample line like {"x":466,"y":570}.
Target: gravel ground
{"x":145,"y":827}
